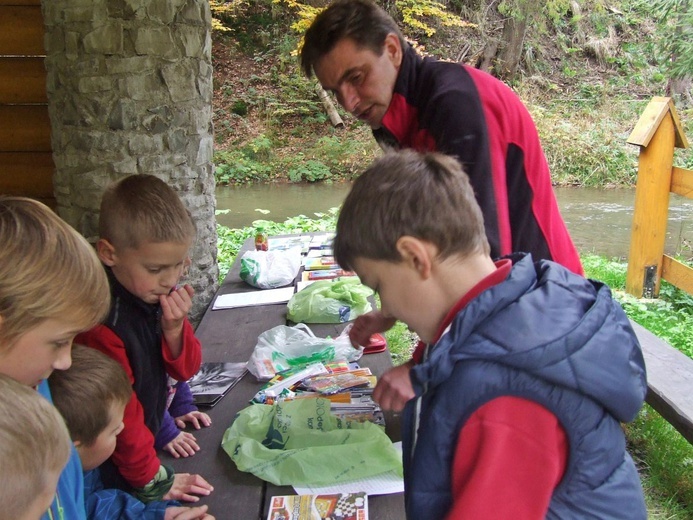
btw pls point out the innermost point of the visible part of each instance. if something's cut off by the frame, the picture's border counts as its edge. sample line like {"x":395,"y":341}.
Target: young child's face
{"x":151,"y":270}
{"x":398,"y":285}
{"x":39,"y":351}
{"x":93,"y":456}
{"x":43,"y":499}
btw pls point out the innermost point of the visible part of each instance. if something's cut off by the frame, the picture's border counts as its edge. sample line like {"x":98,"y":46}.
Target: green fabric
{"x":301,"y":443}
{"x":156,"y":488}
{"x":328,"y":301}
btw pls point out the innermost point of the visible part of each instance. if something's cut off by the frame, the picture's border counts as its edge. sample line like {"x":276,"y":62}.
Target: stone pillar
{"x":130,"y":91}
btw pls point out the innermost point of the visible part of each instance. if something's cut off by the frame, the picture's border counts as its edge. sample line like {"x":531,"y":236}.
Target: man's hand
{"x":174,"y":309}
{"x":394,"y":388}
{"x":186,"y":486}
{"x":368,"y":324}
{"x":187,"y":513}
{"x":185,"y":445}
{"x":197,"y":419}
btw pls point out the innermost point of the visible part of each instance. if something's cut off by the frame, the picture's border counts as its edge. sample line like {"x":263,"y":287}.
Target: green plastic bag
{"x":328,"y":301}
{"x":301,"y":443}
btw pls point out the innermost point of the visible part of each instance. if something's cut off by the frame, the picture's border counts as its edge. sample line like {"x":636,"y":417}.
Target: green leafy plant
{"x":310,"y":171}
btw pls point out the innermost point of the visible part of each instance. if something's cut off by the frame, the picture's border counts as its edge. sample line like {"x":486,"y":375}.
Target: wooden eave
{"x":650,"y":120}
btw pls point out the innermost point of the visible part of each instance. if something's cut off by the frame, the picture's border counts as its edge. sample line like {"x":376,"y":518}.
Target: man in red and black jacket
{"x":357,"y":51}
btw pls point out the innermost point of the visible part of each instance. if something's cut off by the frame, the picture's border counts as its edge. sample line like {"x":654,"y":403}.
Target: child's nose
{"x":63,"y":361}
{"x":169,"y":279}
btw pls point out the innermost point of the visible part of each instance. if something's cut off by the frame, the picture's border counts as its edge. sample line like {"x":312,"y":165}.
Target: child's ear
{"x":106,"y":252}
{"x":417,"y":254}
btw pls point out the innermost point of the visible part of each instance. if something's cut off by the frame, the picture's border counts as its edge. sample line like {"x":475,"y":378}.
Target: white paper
{"x":303,"y":284}
{"x":246,"y":299}
{"x":381,"y":484}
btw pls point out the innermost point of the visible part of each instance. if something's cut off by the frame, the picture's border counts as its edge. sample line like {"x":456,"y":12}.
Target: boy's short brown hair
{"x":359,"y":20}
{"x":86,"y":392}
{"x":426,"y":196}
{"x":142,"y":208}
{"x":34,"y":442}
{"x":47,"y":271}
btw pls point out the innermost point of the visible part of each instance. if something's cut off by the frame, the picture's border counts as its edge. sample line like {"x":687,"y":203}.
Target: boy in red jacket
{"x":145,"y":234}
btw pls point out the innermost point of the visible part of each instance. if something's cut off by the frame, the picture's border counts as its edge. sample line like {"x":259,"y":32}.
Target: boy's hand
{"x":187,"y":513}
{"x":394,"y":388}
{"x":368,"y":324}
{"x":185,"y":484}
{"x":196,"y":418}
{"x":174,"y":309}
{"x":185,"y":445}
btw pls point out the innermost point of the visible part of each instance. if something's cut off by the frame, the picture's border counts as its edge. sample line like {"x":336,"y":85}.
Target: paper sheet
{"x":382,"y":484}
{"x":246,"y":299}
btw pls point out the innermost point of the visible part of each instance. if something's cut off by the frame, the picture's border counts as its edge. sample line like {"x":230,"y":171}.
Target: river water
{"x":598,"y":220}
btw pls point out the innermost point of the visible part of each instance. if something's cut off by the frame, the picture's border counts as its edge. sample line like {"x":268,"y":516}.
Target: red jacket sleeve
{"x":134,"y":454}
{"x":187,"y":364}
{"x":511,"y":454}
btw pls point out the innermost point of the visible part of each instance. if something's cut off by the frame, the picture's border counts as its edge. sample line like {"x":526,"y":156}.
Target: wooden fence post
{"x":657,"y":132}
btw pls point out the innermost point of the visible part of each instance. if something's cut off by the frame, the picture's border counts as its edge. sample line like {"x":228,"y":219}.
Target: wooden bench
{"x":669,"y":381}
{"x":230,"y":335}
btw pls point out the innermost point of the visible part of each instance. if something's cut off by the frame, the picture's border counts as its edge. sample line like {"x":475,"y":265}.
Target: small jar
{"x":261,"y":240}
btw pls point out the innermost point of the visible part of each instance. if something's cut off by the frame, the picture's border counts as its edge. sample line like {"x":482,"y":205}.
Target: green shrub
{"x":310,"y":171}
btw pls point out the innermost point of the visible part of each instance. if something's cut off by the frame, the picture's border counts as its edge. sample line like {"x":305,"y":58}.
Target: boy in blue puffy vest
{"x":525,"y":370}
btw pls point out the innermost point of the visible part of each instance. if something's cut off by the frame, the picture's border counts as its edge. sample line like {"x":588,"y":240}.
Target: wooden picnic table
{"x":230,"y":335}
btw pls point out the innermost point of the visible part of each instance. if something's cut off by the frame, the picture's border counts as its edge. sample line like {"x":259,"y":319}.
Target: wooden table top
{"x":230,"y":335}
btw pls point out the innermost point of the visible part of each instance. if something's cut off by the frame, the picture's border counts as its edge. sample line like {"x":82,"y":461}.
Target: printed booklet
{"x":214,"y":380}
{"x":339,"y":506}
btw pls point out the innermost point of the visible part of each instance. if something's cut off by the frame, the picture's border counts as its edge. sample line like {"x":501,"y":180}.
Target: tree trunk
{"x":331,"y":110}
{"x":505,"y":36}
{"x":511,"y":50}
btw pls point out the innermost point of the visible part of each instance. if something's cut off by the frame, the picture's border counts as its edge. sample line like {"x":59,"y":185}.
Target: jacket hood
{"x":552,"y":324}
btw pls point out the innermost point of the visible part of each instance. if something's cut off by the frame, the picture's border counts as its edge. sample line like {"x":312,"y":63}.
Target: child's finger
{"x":172,"y":450}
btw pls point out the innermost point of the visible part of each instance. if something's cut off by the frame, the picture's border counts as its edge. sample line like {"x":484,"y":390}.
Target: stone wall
{"x":130,"y":91}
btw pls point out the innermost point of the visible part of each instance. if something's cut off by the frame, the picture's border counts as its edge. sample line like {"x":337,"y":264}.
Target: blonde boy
{"x":52,"y":286}
{"x":527,"y":369}
{"x":91,"y":396}
{"x":34,"y":448}
{"x":145,"y":235}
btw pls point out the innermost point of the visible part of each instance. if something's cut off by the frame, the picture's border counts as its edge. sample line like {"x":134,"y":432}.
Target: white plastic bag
{"x":284,"y":347}
{"x":270,"y":269}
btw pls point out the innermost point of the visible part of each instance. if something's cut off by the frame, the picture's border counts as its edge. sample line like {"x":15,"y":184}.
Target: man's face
{"x":361,"y":80}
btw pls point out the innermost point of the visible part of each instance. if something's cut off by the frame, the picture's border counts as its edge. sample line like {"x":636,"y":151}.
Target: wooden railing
{"x":657,"y":133}
{"x":26,"y":161}
{"x":669,"y":372}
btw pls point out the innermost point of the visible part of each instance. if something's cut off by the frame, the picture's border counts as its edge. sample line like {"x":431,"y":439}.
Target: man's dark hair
{"x":359,"y":20}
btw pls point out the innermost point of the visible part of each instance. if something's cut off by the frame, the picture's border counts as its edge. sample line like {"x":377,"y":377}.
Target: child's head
{"x":34,"y":448}
{"x":413,"y":232}
{"x":91,"y":396}
{"x":52,"y":286}
{"x":426,"y":196}
{"x":145,"y":235}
